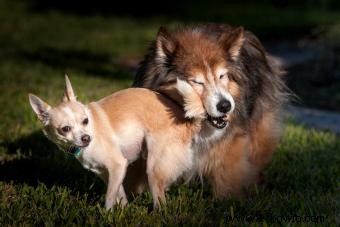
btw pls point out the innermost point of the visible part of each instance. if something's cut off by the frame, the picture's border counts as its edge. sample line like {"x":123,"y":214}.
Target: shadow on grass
{"x":33,"y":160}
{"x":36,"y":160}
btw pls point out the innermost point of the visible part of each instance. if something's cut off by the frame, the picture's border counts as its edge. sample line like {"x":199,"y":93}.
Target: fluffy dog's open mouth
{"x":217,"y":122}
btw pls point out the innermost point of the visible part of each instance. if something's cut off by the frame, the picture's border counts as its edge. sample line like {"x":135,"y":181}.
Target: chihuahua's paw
{"x":122,"y":201}
{"x":109,"y":204}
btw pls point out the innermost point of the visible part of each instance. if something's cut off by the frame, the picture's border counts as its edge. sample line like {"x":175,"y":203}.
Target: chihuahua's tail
{"x":192,"y":105}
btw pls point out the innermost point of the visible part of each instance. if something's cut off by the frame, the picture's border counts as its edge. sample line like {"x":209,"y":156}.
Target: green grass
{"x":40,"y":185}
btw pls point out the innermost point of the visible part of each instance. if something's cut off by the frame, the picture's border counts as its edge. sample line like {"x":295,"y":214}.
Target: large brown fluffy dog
{"x":241,"y":88}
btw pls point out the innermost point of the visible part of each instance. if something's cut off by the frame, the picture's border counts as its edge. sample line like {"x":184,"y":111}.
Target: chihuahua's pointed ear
{"x":233,"y":42}
{"x":166,"y":44}
{"x":68,"y":93}
{"x":40,"y":107}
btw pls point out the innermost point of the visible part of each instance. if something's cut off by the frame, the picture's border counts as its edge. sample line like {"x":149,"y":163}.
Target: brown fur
{"x":255,"y":82}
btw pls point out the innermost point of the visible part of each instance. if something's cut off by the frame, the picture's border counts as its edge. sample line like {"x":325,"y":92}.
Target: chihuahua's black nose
{"x":86,"y":139}
{"x":224,"y":106}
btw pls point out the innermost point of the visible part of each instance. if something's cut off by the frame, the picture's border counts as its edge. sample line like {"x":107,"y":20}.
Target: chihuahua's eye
{"x":85,"y":121}
{"x":222,"y":76}
{"x":66,"y":129}
{"x":197,"y":82}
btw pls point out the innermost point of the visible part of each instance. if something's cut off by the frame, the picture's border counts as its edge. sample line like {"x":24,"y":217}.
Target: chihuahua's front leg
{"x":121,"y":197}
{"x":116,"y":174}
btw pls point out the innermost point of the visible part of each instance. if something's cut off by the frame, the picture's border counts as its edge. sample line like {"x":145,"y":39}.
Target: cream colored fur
{"x":118,"y":126}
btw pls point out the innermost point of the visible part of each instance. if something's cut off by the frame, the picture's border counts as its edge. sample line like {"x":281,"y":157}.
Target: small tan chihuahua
{"x":106,"y":136}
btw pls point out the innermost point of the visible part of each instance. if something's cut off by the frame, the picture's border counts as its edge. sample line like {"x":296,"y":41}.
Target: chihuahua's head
{"x":67,"y":124}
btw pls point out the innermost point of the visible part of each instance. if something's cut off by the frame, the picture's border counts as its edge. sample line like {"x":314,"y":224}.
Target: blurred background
{"x":108,"y":38}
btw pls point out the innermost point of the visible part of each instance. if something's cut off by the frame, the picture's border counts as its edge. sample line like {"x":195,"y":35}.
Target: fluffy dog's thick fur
{"x":236,"y":159}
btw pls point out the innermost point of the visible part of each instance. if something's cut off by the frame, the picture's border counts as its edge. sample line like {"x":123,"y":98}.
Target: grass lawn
{"x":41,"y":186}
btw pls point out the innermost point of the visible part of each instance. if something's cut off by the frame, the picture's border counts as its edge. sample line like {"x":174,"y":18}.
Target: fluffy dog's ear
{"x":40,"y":107}
{"x":68,"y":93}
{"x":165,"y":44}
{"x":233,"y":42}
{"x":192,"y":105}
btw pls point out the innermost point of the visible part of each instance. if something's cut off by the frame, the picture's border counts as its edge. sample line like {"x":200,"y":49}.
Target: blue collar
{"x":76,"y":151}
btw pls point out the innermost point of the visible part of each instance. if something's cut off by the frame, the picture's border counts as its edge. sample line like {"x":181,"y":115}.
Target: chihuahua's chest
{"x":92,"y":162}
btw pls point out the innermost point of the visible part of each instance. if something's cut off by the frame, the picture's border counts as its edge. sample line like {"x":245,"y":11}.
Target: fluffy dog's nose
{"x":86,"y":139}
{"x":223,"y":106}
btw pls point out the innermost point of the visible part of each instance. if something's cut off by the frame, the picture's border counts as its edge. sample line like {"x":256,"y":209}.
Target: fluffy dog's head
{"x":204,"y":62}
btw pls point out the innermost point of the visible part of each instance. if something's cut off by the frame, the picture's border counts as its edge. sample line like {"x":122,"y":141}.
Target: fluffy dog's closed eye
{"x":106,"y":136}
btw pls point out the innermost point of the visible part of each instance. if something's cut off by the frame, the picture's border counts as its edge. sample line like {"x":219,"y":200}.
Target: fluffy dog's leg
{"x":232,"y":173}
